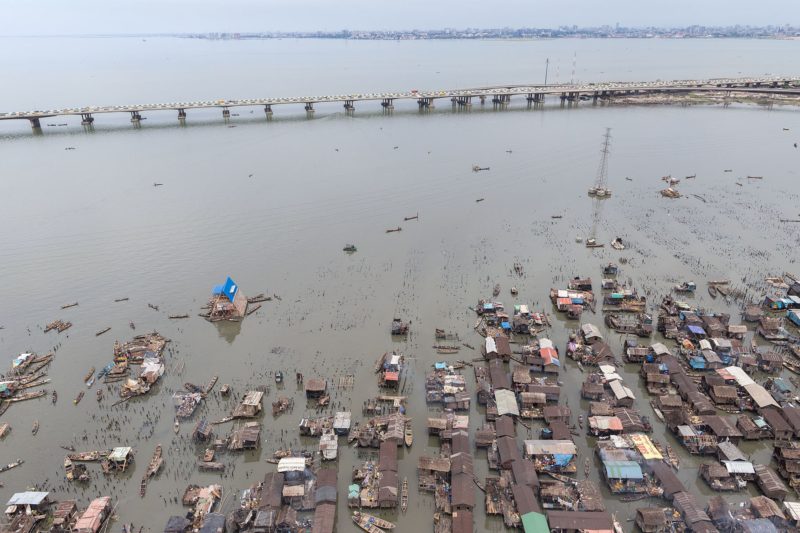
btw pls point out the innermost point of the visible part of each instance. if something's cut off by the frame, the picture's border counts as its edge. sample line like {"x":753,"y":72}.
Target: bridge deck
{"x":768,"y":85}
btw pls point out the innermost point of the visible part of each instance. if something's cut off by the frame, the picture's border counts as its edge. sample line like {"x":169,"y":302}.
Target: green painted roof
{"x":535,"y":523}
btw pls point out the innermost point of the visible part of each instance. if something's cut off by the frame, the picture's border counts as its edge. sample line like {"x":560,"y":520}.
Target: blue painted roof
{"x":623,"y":470}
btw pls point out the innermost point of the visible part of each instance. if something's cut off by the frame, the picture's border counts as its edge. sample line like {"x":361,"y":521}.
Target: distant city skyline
{"x":82,"y":17}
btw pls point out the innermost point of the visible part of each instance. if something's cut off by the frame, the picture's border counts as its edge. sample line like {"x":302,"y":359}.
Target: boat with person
{"x":404,"y":496}
{"x":408,"y":436}
{"x":686,"y":287}
{"x":350,"y":248}
{"x":86,"y":456}
{"x":9,"y":466}
{"x":367,"y":522}
{"x":155,"y":462}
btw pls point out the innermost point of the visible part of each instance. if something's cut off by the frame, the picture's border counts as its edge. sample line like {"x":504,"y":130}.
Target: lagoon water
{"x":273,"y":203}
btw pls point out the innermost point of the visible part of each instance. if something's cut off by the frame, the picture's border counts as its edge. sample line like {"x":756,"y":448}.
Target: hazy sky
{"x":27,"y":17}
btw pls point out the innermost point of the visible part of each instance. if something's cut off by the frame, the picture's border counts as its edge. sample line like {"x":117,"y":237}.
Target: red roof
{"x":548,"y":354}
{"x":391,"y":376}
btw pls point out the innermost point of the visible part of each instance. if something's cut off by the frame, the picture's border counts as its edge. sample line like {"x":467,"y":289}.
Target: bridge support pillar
{"x":502,"y":99}
{"x":348,"y":105}
{"x":483,"y":99}
{"x":268,"y":111}
{"x":309,"y":107}
{"x":136,"y":117}
{"x":181,"y":114}
{"x":425,"y":103}
{"x":388,"y":103}
{"x":35,"y":124}
{"x":226,"y":113}
{"x":87,"y":119}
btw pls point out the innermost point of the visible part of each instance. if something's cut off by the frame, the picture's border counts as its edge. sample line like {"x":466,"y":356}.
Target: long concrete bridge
{"x":499,"y":96}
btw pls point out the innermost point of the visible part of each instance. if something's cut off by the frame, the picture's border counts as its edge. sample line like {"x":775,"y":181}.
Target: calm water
{"x":272,"y":204}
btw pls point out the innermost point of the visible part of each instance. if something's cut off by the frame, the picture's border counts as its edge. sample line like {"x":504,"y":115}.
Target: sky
{"x":60,"y":17}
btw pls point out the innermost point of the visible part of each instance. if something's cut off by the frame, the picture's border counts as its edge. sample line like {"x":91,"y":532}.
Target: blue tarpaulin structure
{"x":697,"y":363}
{"x":697,"y":330}
{"x":231,"y":288}
{"x":562,"y":459}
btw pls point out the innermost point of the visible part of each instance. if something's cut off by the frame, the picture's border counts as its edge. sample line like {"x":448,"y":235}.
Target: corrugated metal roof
{"x":760,"y":396}
{"x":506,"y":403}
{"x":292,"y":464}
{"x":550,"y":447}
{"x":740,"y":376}
{"x":120,"y":453}
{"x":739,"y":467}
{"x":730,"y":451}
{"x":793,"y":509}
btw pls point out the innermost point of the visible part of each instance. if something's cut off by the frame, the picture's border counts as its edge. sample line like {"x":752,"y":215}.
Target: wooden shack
{"x":781,"y":429}
{"x":246,"y":437}
{"x":770,"y":483}
{"x":316,"y":387}
{"x":651,"y":520}
{"x":250,"y":406}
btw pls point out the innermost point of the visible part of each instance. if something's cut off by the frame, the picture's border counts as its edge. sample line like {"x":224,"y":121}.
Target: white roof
{"x":793,"y":509}
{"x":563,"y":294}
{"x":739,"y":467}
{"x":27,"y":498}
{"x":607,"y":369}
{"x":760,"y":395}
{"x":725,"y":343}
{"x":523,"y":309}
{"x":621,"y":391}
{"x":120,"y":453}
{"x":395,"y":360}
{"x":704,"y":344}
{"x":590,"y":330}
{"x":342,"y":420}
{"x":506,"y":403}
{"x":491,"y":347}
{"x":619,"y":441}
{"x":659,"y":348}
{"x":545,"y":343}
{"x":292,"y":464}
{"x":550,"y":447}
{"x":740,"y":376}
